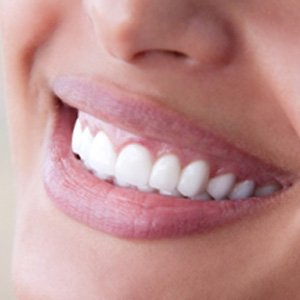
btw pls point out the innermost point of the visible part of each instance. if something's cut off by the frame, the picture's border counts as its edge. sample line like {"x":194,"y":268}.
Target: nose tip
{"x":132,"y":29}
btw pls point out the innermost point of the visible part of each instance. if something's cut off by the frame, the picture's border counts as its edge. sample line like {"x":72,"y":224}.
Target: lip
{"x":129,"y":213}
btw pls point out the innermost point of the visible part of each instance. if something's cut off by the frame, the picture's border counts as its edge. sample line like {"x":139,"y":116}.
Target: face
{"x":180,"y":180}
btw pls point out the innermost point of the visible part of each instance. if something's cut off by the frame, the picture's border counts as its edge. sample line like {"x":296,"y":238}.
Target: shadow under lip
{"x":128,"y":213}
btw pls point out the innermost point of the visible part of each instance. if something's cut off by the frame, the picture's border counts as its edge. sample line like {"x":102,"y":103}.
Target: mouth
{"x":125,"y":165}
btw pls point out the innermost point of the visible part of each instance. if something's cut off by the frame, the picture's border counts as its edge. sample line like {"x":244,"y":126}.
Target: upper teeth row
{"x":134,"y":166}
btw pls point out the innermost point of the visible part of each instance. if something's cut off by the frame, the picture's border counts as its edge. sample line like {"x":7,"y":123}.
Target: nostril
{"x":162,"y":53}
{"x":176,"y":54}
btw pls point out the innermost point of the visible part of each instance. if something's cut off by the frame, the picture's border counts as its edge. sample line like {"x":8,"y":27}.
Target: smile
{"x":158,"y":167}
{"x":128,"y":167}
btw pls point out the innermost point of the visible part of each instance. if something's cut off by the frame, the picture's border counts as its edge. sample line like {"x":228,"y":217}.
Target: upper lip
{"x":138,"y":114}
{"x":147,"y":117}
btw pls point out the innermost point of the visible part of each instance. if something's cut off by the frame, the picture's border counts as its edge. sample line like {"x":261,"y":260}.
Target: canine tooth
{"x":165,"y":174}
{"x":267,"y":189}
{"x":134,"y":165}
{"x":102,"y":156}
{"x":220,"y":186}
{"x":86,"y":142}
{"x":194,"y":178}
{"x":242,"y":190}
{"x":76,"y":137}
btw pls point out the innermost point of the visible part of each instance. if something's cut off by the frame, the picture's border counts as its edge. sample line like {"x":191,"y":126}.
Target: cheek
{"x":28,"y":23}
{"x":276,"y":52}
{"x":27,"y":26}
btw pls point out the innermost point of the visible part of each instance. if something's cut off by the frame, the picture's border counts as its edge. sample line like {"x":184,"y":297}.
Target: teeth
{"x":194,"y":178}
{"x":173,"y":193}
{"x":120,"y":183}
{"x":76,"y":137}
{"x":242,"y":190}
{"x":267,"y":189}
{"x":203,"y":196}
{"x":220,"y":186}
{"x":86,"y":143}
{"x":102,"y":156}
{"x":146,"y":189}
{"x":134,"y":166}
{"x":165,"y":174}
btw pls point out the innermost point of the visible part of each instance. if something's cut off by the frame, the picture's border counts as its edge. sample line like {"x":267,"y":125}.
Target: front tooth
{"x":165,"y":174}
{"x":242,"y":190}
{"x":102,"y":156}
{"x":267,"y":189}
{"x":86,"y":142}
{"x":194,"y":178}
{"x":220,"y":186}
{"x":134,"y":165}
{"x":76,"y":137}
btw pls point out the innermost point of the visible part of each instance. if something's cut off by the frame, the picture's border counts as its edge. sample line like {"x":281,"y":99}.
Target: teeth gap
{"x":133,"y":167}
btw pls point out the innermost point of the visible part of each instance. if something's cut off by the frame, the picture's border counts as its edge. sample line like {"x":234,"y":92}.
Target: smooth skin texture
{"x":232,"y":66}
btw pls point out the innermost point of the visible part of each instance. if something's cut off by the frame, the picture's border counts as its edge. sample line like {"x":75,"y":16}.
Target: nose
{"x":186,"y":30}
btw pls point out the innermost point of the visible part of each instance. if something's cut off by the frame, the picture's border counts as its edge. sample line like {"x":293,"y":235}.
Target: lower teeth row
{"x":134,"y":167}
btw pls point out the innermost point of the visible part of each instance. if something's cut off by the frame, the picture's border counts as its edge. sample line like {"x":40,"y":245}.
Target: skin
{"x":235,"y":72}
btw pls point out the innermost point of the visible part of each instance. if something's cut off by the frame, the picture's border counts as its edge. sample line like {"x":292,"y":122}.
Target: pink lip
{"x":124,"y":212}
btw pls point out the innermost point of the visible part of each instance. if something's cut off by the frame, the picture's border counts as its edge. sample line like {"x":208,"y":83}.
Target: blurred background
{"x":7,"y":202}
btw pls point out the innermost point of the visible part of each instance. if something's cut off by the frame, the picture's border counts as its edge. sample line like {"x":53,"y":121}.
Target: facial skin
{"x":232,"y":66}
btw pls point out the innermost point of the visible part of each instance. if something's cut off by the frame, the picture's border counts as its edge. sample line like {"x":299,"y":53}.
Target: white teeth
{"x":76,"y":137}
{"x":220,"y":186}
{"x":146,"y":189}
{"x":102,"y":156}
{"x":134,"y":165}
{"x":194,"y":178}
{"x":165,"y":174}
{"x":203,"y":196}
{"x":86,"y":143}
{"x":267,"y":189}
{"x":120,"y":183}
{"x":173,"y":193}
{"x":242,"y":190}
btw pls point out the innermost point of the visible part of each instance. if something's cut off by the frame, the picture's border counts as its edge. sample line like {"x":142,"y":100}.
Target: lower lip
{"x":129,"y":213}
